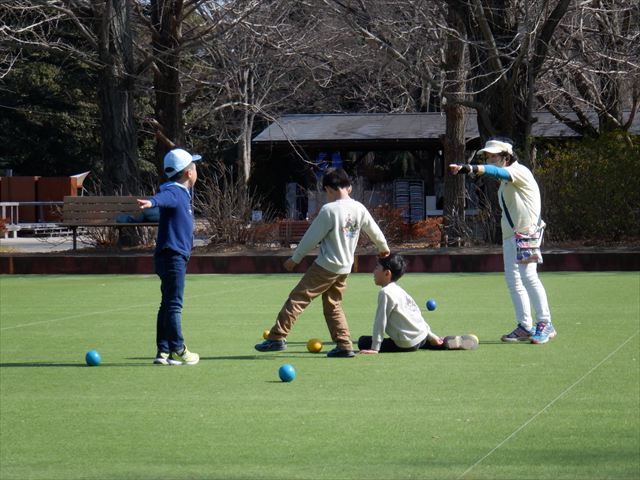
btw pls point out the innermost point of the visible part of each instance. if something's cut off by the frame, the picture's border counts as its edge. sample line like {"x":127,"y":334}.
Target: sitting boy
{"x":399,"y":316}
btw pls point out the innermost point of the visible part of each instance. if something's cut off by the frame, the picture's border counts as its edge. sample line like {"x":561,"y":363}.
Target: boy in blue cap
{"x":173,"y":249}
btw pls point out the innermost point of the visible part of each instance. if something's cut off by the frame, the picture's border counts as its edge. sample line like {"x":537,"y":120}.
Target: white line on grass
{"x":548,"y":405}
{"x":128,"y":307}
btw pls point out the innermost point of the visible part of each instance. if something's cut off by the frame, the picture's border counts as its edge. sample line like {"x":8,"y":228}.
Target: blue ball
{"x":93,"y":358}
{"x":431,"y":305}
{"x":287,"y":372}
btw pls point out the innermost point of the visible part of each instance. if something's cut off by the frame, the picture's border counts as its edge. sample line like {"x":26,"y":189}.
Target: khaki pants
{"x":316,"y":281}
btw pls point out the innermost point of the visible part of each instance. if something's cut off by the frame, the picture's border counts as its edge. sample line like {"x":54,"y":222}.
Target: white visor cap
{"x":177,"y":160}
{"x":496,"y":146}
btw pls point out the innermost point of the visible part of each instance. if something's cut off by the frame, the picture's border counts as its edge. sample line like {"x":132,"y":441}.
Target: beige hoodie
{"x":337,"y":229}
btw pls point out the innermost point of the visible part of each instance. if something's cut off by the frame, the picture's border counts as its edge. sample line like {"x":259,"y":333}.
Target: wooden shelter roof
{"x":387,"y":130}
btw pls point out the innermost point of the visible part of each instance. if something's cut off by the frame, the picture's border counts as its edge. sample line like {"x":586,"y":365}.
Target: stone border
{"x":436,"y":262}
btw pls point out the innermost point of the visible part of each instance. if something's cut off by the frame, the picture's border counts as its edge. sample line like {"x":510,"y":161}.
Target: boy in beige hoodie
{"x":337,"y":229}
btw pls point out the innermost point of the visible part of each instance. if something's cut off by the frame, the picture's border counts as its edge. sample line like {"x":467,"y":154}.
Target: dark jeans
{"x":388,"y":345}
{"x":171,"y":267}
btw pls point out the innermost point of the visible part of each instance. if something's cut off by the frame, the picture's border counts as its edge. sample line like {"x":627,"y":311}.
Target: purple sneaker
{"x":520,"y":334}
{"x":544,"y":332}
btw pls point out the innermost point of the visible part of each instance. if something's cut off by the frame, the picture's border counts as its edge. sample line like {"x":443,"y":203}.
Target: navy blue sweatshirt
{"x":175,"y":230}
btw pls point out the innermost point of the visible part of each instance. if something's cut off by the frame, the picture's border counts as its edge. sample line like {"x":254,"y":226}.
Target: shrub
{"x":428,"y":231}
{"x":112,"y":237}
{"x":390,"y":222}
{"x":590,"y":188}
{"x":263,"y":233}
{"x":397,"y":232}
{"x":225,"y":204}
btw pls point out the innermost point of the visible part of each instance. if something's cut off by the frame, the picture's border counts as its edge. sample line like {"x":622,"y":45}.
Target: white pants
{"x":524,"y":286}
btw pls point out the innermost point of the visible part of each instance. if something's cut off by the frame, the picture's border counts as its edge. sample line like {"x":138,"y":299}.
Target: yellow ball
{"x":265,"y":334}
{"x":314,"y":345}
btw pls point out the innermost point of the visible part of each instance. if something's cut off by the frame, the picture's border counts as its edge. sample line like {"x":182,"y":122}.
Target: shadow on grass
{"x":500,"y":342}
{"x":76,"y":365}
{"x":267,"y":356}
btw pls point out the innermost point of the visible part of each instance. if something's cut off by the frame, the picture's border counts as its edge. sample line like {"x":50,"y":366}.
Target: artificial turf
{"x":565,"y":410}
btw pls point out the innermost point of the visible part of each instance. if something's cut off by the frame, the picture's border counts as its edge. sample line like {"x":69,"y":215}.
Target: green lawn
{"x":565,"y":410}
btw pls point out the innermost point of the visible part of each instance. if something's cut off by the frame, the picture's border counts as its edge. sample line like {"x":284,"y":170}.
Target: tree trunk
{"x":166,"y":17}
{"x":454,"y":141}
{"x":115,"y":99}
{"x":505,"y":63}
{"x":244,"y":145}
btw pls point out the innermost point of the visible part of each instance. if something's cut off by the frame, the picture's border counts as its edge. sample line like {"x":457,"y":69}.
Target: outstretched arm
{"x":488,"y":170}
{"x":374,"y":233}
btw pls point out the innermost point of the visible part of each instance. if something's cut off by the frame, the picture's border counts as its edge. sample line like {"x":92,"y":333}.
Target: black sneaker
{"x":271,"y":345}
{"x":339,"y":353}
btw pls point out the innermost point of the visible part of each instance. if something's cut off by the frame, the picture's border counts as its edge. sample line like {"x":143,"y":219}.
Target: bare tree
{"x":454,"y":140}
{"x":254,"y":69}
{"x":508,"y":43}
{"x":175,"y":27}
{"x":398,"y":66}
{"x":115,"y":96}
{"x":219,"y":69}
{"x":411,"y":36}
{"x":98,"y":34}
{"x":594,"y":66}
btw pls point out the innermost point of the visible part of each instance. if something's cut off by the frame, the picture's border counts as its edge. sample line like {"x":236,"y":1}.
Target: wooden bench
{"x":292,"y":231}
{"x":100,"y":211}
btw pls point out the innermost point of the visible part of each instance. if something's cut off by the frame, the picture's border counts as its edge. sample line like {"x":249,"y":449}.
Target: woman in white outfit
{"x":522,"y":228}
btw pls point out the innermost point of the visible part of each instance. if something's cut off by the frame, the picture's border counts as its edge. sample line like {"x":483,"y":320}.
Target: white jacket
{"x":398,"y":316}
{"x":337,"y":229}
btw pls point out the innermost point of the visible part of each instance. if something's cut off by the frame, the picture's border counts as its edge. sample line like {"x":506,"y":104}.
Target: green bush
{"x":591,"y":188}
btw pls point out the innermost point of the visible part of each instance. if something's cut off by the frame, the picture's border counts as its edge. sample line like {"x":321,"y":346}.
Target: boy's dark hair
{"x":395,"y":264}
{"x":336,"y":178}
{"x":179,"y":175}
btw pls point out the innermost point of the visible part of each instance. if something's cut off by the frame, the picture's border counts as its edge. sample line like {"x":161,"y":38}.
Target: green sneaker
{"x":162,"y":358}
{"x":184,"y":358}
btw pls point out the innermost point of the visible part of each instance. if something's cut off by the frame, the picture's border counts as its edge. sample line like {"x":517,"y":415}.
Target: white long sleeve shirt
{"x":399,"y":317}
{"x":522,"y":197}
{"x":337,"y":229}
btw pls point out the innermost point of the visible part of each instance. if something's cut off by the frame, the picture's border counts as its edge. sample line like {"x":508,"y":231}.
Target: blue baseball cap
{"x":177,"y":160}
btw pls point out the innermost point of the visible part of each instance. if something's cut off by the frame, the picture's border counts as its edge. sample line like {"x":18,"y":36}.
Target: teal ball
{"x":287,"y":373}
{"x":93,"y":358}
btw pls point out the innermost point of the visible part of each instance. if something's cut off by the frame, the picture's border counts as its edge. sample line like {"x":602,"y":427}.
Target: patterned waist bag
{"x":527,"y":243}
